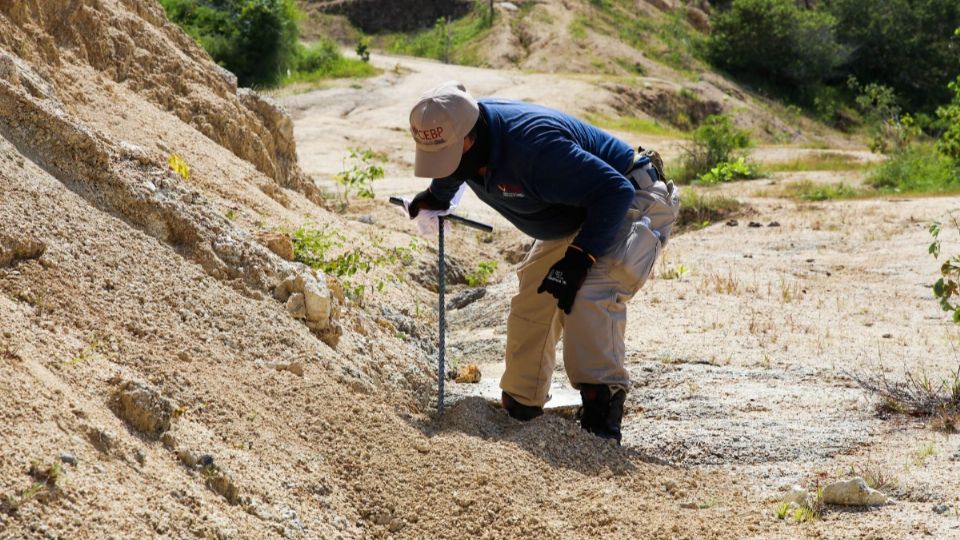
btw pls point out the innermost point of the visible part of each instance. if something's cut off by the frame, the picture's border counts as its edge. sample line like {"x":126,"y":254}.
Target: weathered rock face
{"x":136,"y":46}
{"x":47,"y":50}
{"x":395,"y":15}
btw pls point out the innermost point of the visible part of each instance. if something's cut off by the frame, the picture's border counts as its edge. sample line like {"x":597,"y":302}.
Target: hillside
{"x":167,"y":371}
{"x":643,"y":58}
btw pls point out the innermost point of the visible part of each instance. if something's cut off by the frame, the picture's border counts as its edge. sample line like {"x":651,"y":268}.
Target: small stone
{"x":169,"y":441}
{"x":296,"y":368}
{"x":205,"y":460}
{"x":144,"y":408}
{"x":853,"y":492}
{"x":188,"y":458}
{"x":887,"y":336}
{"x":466,"y":298}
{"x":798,"y":496}
{"x":279,"y":243}
{"x":422,"y":446}
{"x":293,"y":367}
{"x":941,"y":508}
{"x":469,"y":374}
{"x":68,"y":458}
{"x":366,"y":219}
{"x":754,"y":224}
{"x":732,"y":223}
{"x":773,"y":224}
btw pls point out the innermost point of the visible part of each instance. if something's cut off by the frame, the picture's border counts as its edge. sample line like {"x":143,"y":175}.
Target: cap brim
{"x":439,"y":164}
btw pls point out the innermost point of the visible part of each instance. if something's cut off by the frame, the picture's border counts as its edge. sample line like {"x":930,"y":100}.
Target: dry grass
{"x":819,"y":161}
{"x":917,"y":395}
{"x":720,"y":284}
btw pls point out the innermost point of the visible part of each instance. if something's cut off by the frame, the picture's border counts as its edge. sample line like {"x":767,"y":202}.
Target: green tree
{"x":908,"y":45}
{"x":775,"y":43}
{"x":255,"y":39}
{"x":949,"y":143}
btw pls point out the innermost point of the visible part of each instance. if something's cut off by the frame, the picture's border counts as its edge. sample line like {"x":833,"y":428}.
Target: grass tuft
{"x":632,"y":124}
{"x":807,"y":190}
{"x":819,"y":161}
{"x":917,"y":395}
{"x":698,"y":210}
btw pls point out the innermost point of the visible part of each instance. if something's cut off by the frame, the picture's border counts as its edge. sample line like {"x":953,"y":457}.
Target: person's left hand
{"x":566,"y":277}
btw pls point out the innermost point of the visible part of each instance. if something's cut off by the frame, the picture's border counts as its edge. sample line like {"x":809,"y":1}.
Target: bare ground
{"x":742,"y":365}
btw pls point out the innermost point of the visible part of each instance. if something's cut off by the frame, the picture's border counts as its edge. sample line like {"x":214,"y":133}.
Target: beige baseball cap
{"x":439,"y":122}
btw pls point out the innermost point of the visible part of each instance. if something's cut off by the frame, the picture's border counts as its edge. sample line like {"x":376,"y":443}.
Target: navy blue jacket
{"x":550,"y":175}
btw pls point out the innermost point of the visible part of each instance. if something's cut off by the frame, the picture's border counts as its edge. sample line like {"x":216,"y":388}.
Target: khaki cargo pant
{"x":593,"y":332}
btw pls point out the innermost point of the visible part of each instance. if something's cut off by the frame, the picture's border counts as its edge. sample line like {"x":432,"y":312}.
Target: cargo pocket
{"x":636,"y":258}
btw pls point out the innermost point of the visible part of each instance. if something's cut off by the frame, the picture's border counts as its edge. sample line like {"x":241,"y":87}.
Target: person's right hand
{"x":426,"y":201}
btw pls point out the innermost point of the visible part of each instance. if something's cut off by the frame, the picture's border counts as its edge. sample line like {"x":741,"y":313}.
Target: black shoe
{"x":601,"y":413}
{"x":518,"y":410}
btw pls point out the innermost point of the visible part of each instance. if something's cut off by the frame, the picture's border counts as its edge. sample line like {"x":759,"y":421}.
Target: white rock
{"x":854,"y":492}
{"x":317,"y":299}
{"x":296,"y":306}
{"x":507,"y":6}
{"x":798,"y":496}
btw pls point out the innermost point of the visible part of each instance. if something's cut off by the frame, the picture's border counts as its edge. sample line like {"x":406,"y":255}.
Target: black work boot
{"x":601,"y":413}
{"x":518,"y":410}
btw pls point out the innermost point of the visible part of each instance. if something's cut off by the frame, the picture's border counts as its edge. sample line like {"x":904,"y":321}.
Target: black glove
{"x":425,"y":200}
{"x":565,"y":278}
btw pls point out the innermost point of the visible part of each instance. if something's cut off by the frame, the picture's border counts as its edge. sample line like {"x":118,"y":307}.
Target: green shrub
{"x":363,"y":49}
{"x":359,"y":176}
{"x":481,"y":276}
{"x":773,"y":42}
{"x":254,"y":39}
{"x":728,"y":171}
{"x":716,"y":141}
{"x":434,"y":43}
{"x":949,"y":143}
{"x":313,"y":247}
{"x":317,"y":57}
{"x":889,"y":128}
{"x":918,"y":169}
